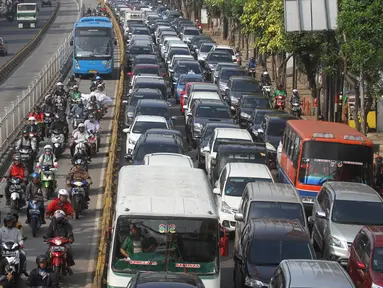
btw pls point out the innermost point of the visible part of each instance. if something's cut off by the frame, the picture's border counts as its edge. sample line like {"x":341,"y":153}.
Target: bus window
{"x":291,"y":144}
{"x":296,"y":151}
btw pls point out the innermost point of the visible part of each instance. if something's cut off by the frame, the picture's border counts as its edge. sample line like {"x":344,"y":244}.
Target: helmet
{"x":98,"y":78}
{"x":58,"y":84}
{"x":81,"y":125}
{"x":91,"y":117}
{"x":295,"y":90}
{"x":17,"y":157}
{"x":15,"y":215}
{"x":9,"y":217}
{"x":46,"y":147}
{"x":320,"y":118}
{"x":75,"y":87}
{"x":265,"y":73}
{"x":100,"y":86}
{"x":35,"y":175}
{"x":41,"y":258}
{"x":31,"y":118}
{"x":25,"y":133}
{"x":63,"y":192}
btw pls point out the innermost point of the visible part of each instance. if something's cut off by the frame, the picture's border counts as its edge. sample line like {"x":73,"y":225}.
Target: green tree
{"x":360,"y":30}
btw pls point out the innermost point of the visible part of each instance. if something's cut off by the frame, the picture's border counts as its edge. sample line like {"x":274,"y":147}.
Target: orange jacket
{"x":56,"y":205}
{"x":39,"y":116}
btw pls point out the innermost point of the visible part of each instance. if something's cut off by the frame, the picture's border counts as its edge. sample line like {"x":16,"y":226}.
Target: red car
{"x":365,"y":264}
{"x":182,"y":94}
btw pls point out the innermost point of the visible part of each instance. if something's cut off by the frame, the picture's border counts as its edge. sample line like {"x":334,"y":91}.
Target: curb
{"x":7,"y":69}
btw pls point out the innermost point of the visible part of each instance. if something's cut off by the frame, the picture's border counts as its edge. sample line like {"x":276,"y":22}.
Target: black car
{"x":206,"y":133}
{"x":194,"y":42}
{"x":225,"y":74}
{"x":238,"y":152}
{"x":212,"y":59}
{"x":138,"y":94}
{"x":148,"y":144}
{"x":247,"y":104}
{"x":165,"y":280}
{"x":185,"y":67}
{"x":145,"y":82}
{"x":153,"y":107}
{"x":203,"y":112}
{"x":258,"y":117}
{"x":145,"y":59}
{"x":138,"y":49}
{"x":263,"y":245}
{"x":271,"y":132}
{"x":239,"y":85}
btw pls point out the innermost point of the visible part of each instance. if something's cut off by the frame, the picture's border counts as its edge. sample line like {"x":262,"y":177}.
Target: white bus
{"x":177,"y":222}
{"x":26,"y":15}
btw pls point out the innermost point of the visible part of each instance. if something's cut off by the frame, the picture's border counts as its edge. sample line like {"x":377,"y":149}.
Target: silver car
{"x":339,"y":212}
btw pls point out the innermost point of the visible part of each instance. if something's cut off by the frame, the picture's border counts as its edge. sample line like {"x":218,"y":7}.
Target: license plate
{"x":9,"y":253}
{"x":92,"y":71}
{"x":78,"y":191}
{"x":307,"y":200}
{"x":58,"y":248}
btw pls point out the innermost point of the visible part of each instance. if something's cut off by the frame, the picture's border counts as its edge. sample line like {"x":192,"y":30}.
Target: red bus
{"x":314,"y":152}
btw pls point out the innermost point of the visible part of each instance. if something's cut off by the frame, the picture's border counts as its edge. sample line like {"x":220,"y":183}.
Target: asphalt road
{"x":29,"y":70}
{"x":17,"y":38}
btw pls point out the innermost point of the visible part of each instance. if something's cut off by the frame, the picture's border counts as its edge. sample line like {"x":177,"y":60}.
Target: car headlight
{"x":270,"y":147}
{"x":376,"y":286}
{"x":198,"y":126}
{"x":226,"y":208}
{"x":333,"y":241}
{"x":132,"y":142}
{"x":249,"y":282}
{"x":234,"y":100}
{"x":245,"y":115}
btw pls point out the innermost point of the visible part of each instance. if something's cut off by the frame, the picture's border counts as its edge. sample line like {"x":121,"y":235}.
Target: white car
{"x":168,"y":159}
{"x":141,"y":124}
{"x":230,"y":185}
{"x":222,"y":135}
{"x":224,"y":48}
{"x":169,"y":43}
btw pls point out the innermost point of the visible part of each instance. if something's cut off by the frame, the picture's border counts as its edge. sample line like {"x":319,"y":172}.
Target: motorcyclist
{"x":265,"y":78}
{"x":9,"y":233}
{"x":78,"y":173}
{"x":75,"y":94}
{"x":18,"y":225}
{"x":32,"y":127}
{"x":72,"y":82}
{"x":60,"y":91}
{"x":102,"y":99}
{"x":251,"y":63}
{"x":40,"y":276}
{"x":26,"y":143}
{"x":60,"y":227}
{"x":59,"y":123}
{"x":89,"y":12}
{"x":34,"y":192}
{"x":295,"y":97}
{"x":38,"y":114}
{"x":279,"y":92}
{"x":7,"y":281}
{"x":17,"y":170}
{"x":48,"y":106}
{"x":92,"y":125}
{"x":60,"y":203}
{"x":80,"y":136}
{"x":92,"y":104}
{"x":78,"y":109}
{"x":94,"y":77}
{"x":47,"y":158}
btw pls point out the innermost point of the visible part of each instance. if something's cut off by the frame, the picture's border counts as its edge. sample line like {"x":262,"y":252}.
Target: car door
{"x":320,"y":225}
{"x":221,"y":186}
{"x":190,"y":119}
{"x":362,"y":253}
{"x":239,"y":224}
{"x":208,"y":154}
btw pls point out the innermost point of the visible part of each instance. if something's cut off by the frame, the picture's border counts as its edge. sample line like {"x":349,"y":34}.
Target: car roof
{"x":230,"y":68}
{"x":228,"y":64}
{"x":150,"y":118}
{"x":146,"y":56}
{"x":231,"y":133}
{"x":211,"y":102}
{"x":169,"y":159}
{"x":219,"y":52}
{"x":351,"y":191}
{"x":244,"y":78}
{"x":146,"y":66}
{"x":223,"y":47}
{"x":142,"y":90}
{"x":162,"y":139}
{"x":262,"y":191}
{"x":149,"y":80}
{"x":238,"y":169}
{"x":183,"y":62}
{"x":316,"y":273}
{"x":152,"y":102}
{"x":192,"y":76}
{"x":270,"y":228}
{"x":205,"y":95}
{"x":182,"y":280}
{"x":159,"y":131}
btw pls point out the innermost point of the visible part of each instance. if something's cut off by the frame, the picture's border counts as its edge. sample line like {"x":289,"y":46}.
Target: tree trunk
{"x":274,"y":69}
{"x":363,"y":120}
{"x":356,"y":106}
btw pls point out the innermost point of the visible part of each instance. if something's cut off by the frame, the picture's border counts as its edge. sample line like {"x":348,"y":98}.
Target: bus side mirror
{"x":71,"y":43}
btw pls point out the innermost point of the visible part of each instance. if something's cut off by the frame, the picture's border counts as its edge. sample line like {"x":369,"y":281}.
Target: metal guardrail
{"x":112,"y":168}
{"x":13,"y":117}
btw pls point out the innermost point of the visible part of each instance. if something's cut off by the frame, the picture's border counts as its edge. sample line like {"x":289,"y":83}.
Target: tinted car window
{"x":229,"y":51}
{"x":244,"y":85}
{"x":219,"y":57}
{"x":146,"y":70}
{"x":140,"y":32}
{"x":140,"y":127}
{"x":145,"y":61}
{"x":206,"y":47}
{"x":155,"y":148}
{"x":185,"y":80}
{"x":212,"y":111}
{"x":140,"y":50}
{"x":136,"y":97}
{"x":227,"y":73}
{"x":185,"y":67}
{"x":276,"y":128}
{"x":191,"y":32}
{"x":236,"y":185}
{"x":154,"y":111}
{"x":361,"y":213}
{"x":254,"y":102}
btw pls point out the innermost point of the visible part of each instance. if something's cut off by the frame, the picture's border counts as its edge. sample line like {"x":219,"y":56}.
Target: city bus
{"x":176,"y":222}
{"x":27,"y":15}
{"x":93,"y":46}
{"x":314,"y":152}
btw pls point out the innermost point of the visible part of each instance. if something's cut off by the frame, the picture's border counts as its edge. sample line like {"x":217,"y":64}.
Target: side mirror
{"x":238,"y":217}
{"x":260,"y":131}
{"x":126,"y":130}
{"x":128,"y":157}
{"x":71,"y":43}
{"x":206,"y":149}
{"x":361,"y":266}
{"x":217,"y":191}
{"x":321,"y":215}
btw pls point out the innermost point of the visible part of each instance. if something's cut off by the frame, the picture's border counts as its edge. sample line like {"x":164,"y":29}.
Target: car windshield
{"x":277,"y":210}
{"x":212,"y":112}
{"x":145,"y":61}
{"x":255,"y":102}
{"x":377,"y":259}
{"x":260,"y":117}
{"x":154,"y":111}
{"x":185,"y":80}
{"x":140,"y":127}
{"x":227,"y":73}
{"x":235,"y":185}
{"x":219,"y":57}
{"x":191,"y":32}
{"x":147,"y":148}
{"x":229,"y":51}
{"x":357,"y":212}
{"x":227,"y":141}
{"x":186,"y":67}
{"x":136,"y":50}
{"x":270,"y":252}
{"x":140,"y":32}
{"x":146,"y":70}
{"x":206,"y":48}
{"x":137,"y":97}
{"x":179,"y":52}
{"x":170,"y":243}
{"x":275,"y":128}
{"x":244,"y":85}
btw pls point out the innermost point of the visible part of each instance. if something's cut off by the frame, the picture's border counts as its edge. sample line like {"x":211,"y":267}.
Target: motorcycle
{"x":280,"y":102}
{"x":57,"y":138}
{"x":47,"y":178}
{"x":251,"y":71}
{"x":296,"y":108}
{"x":77,"y":193}
{"x":80,"y":149}
{"x":96,"y":110}
{"x":17,"y":194}
{"x":27,"y":158}
{"x":11,"y":253}
{"x":266,"y":91}
{"x":47,"y":123}
{"x":58,"y":250}
{"x":35,"y":216}
{"x":238,"y":59}
{"x":35,"y":137}
{"x":93,"y":142}
{"x":77,"y":120}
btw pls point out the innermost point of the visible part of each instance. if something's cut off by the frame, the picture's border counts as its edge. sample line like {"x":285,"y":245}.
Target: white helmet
{"x":32,"y":118}
{"x":59,"y":214}
{"x":48,"y":147}
{"x":295,"y":90}
{"x":80,"y":125}
{"x":265,"y":73}
{"x":100,"y":86}
{"x":59,"y":84}
{"x":63,"y":192}
{"x":75,"y":86}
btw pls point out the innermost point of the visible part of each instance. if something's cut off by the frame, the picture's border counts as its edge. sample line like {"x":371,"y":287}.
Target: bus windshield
{"x":93,"y":42}
{"x":187,"y":244}
{"x":26,"y":7}
{"x":325,"y":161}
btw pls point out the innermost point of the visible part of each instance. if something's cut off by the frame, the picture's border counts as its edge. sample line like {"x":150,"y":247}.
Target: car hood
{"x":232,"y":201}
{"x":273,"y":140}
{"x":262,"y":273}
{"x":345,"y":232}
{"x":134,"y":136}
{"x":130,"y":109}
{"x":204,"y":120}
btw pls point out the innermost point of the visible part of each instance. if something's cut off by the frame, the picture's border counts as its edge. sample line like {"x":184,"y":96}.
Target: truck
{"x":27,"y":14}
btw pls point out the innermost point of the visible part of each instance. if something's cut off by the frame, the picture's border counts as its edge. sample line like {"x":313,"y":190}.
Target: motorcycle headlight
{"x":270,"y":147}
{"x":132,"y":142}
{"x":333,"y":241}
{"x":249,"y":282}
{"x":198,"y":126}
{"x":234,"y":100}
{"x":245,"y":115}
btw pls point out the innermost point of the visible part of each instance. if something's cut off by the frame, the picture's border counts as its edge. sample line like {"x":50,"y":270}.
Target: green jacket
{"x":75,"y":95}
{"x":279,"y":92}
